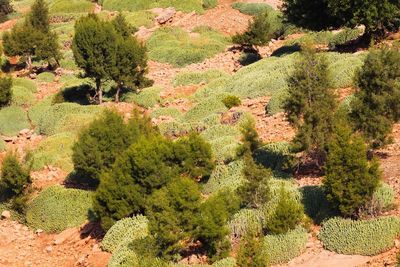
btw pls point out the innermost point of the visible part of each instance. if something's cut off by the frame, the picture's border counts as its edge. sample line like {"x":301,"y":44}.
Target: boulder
{"x":166,"y":15}
{"x":6,"y":214}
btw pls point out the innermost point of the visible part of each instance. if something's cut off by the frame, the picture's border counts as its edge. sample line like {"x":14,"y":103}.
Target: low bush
{"x":21,"y":96}
{"x":179,"y":48}
{"x":204,"y":109}
{"x":252,"y":9}
{"x":225,"y":177}
{"x":58,"y":208}
{"x":37,"y":110}
{"x":276,"y":156}
{"x":225,"y":148}
{"x":6,"y":93}
{"x":14,"y":179}
{"x":282,"y":248}
{"x":188,"y":78}
{"x":208,"y":4}
{"x":140,"y":18}
{"x":165,"y":111}
{"x":219,"y":131}
{"x":123,"y":231}
{"x":368,"y":238}
{"x":46,"y":77}
{"x":135,"y":5}
{"x":70,"y":6}
{"x":384,"y":195}
{"x":27,"y":83}
{"x":56,"y":150}
{"x":12,"y":120}
{"x":231,"y":101}
{"x":345,"y":36}
{"x":146,"y":98}
{"x":53,"y":118}
{"x":275,"y":104}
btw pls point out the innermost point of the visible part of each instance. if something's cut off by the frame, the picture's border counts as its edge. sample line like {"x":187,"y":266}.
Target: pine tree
{"x":252,"y":252}
{"x":122,"y":27}
{"x":311,"y":104}
{"x":38,"y":17}
{"x":350,"y":179}
{"x":250,"y":139}
{"x":287,"y":216}
{"x":94,"y":46}
{"x":14,"y":177}
{"x":5,"y":91}
{"x":376,"y":106}
{"x":255,"y":191}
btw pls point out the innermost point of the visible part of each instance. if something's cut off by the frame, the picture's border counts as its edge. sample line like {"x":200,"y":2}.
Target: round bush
{"x":37,"y":110}
{"x":147,"y":97}
{"x":367,"y":238}
{"x":58,"y":208}
{"x":384,"y":195}
{"x":125,"y":230}
{"x":46,"y":77}
{"x":21,"y":96}
{"x":225,"y":177}
{"x":12,"y":120}
{"x":282,"y":248}
{"x":28,"y":84}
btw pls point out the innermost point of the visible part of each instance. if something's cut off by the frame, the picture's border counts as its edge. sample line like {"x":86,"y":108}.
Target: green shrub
{"x":6,"y":93}
{"x":203,"y":109}
{"x":70,"y":6}
{"x":208,"y":4}
{"x":53,"y":118}
{"x":275,"y":104}
{"x":360,"y":237}
{"x":123,"y":231}
{"x":282,"y":248}
{"x":140,"y":18}
{"x":56,"y":150}
{"x":316,"y":206}
{"x":188,"y":78}
{"x":58,"y":208}
{"x":21,"y":96}
{"x":219,"y":131}
{"x":225,"y":148}
{"x":252,"y":8}
{"x":225,"y":177}
{"x":135,"y":5}
{"x":231,"y":101}
{"x":14,"y":177}
{"x":46,"y":77}
{"x":27,"y":83}
{"x":12,"y":120}
{"x":343,"y":67}
{"x":177,"y":47}
{"x":384,"y":195}
{"x":344,"y":37}
{"x":146,"y":98}
{"x":36,"y":111}
{"x":276,"y":156}
{"x":165,"y":111}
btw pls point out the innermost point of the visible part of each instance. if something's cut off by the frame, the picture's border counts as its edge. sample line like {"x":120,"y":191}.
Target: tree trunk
{"x":117,"y":93}
{"x":99,"y":91}
{"x":29,"y":62}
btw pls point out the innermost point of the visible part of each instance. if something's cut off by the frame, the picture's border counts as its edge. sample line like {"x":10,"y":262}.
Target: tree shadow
{"x":80,"y":94}
{"x":286,"y":50}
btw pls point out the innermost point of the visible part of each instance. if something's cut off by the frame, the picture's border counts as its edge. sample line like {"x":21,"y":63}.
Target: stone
{"x":24,"y":132}
{"x":6,"y":214}
{"x":39,"y":231}
{"x":49,"y":249}
{"x":166,"y":15}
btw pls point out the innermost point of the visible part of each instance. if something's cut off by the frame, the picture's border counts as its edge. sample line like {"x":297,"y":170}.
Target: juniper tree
{"x":376,"y":105}
{"x":5,"y":91}
{"x":94,"y":47}
{"x":251,"y":251}
{"x":311,"y":104}
{"x":350,"y":179}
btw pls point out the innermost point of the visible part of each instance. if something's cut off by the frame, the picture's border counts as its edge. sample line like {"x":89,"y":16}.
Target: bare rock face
{"x":6,"y":214}
{"x":166,"y":15}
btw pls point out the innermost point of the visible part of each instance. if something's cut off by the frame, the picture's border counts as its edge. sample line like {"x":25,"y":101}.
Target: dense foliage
{"x":5,"y":91}
{"x":375,"y":107}
{"x":14,"y":178}
{"x":350,"y":179}
{"x":251,"y":252}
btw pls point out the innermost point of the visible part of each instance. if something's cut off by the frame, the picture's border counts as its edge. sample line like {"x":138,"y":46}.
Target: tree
{"x":376,"y":106}
{"x":122,"y":27}
{"x":212,"y":230}
{"x":94,"y":47}
{"x":5,"y":9}
{"x":259,"y":32}
{"x":130,"y":65}
{"x":310,"y":14}
{"x":287,"y":216}
{"x":252,"y":252}
{"x":5,"y":91}
{"x":311,"y":104}
{"x":350,"y":179}
{"x":171,"y":211}
{"x":250,"y":139}
{"x":33,"y":38}
{"x":195,"y":156}
{"x":14,"y":177}
{"x":255,"y":191}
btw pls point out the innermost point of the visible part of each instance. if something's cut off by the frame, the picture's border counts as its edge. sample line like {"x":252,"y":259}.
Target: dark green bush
{"x":14,"y":177}
{"x":5,"y":91}
{"x":251,"y":252}
{"x":231,"y":101}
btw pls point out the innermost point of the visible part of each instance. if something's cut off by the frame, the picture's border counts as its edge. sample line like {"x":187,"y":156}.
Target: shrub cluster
{"x":12,"y":120}
{"x":58,"y":208}
{"x":123,"y":231}
{"x":231,"y":101}
{"x":21,"y":96}
{"x":147,"y":97}
{"x":368,"y":238}
{"x":188,"y":78}
{"x":225,"y":177}
{"x":5,"y":91}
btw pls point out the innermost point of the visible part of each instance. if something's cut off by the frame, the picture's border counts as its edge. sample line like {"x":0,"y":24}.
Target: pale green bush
{"x":125,"y":230}
{"x":219,"y":131}
{"x":37,"y":110}
{"x":384,"y":195}
{"x":225,"y":177}
{"x":70,"y":6}
{"x":165,"y":111}
{"x":12,"y":120}
{"x":344,"y":37}
{"x":140,"y":18}
{"x":177,"y":47}
{"x":58,"y":208}
{"x":187,"y":78}
{"x":135,"y":5}
{"x":147,"y":97}
{"x":56,"y":150}
{"x":368,"y":237}
{"x":204,"y":109}
{"x":24,"y":82}
{"x":343,"y":68}
{"x":276,"y":156}
{"x":282,"y":248}
{"x":225,"y":148}
{"x":22,"y":96}
{"x":275,"y":104}
{"x":46,"y":77}
{"x":252,"y":9}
